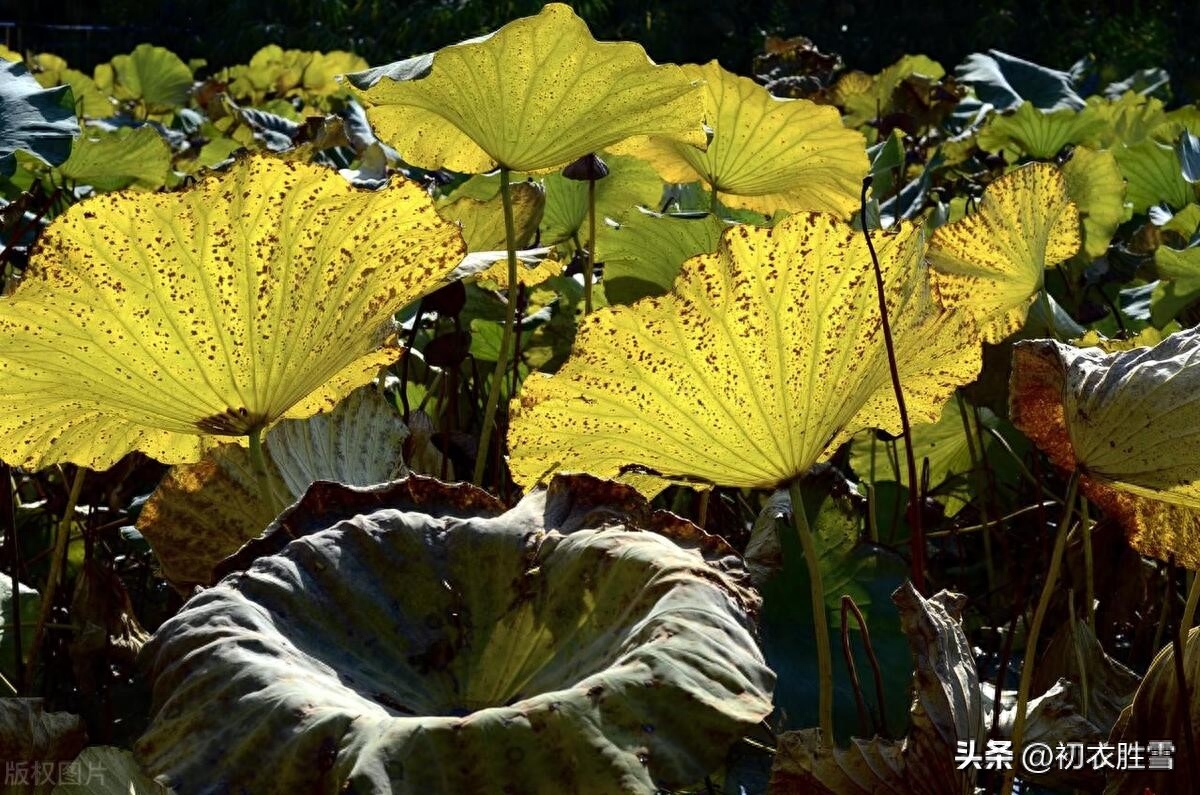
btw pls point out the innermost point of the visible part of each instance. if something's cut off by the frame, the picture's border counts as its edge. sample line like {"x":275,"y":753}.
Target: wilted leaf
{"x":534,"y":96}
{"x":991,"y":263}
{"x":764,"y":357}
{"x":1124,"y":421}
{"x":1095,"y":184}
{"x":151,"y":321}
{"x":127,"y":157}
{"x":413,"y":652}
{"x":202,"y":513}
{"x":30,"y":734}
{"x":766,"y":153}
{"x":32,"y":119}
{"x":946,"y":708}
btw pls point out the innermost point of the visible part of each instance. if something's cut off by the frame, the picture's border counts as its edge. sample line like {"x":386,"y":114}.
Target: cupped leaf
{"x":126,"y":157}
{"x":202,"y":513}
{"x":414,"y":652}
{"x":153,"y":76}
{"x":991,"y":263}
{"x":764,"y":357}
{"x":154,"y":322}
{"x":1125,"y":422}
{"x":1095,"y":184}
{"x":766,"y":153}
{"x":32,"y":119}
{"x":1155,"y":176}
{"x":534,"y":96}
{"x":1036,"y":133}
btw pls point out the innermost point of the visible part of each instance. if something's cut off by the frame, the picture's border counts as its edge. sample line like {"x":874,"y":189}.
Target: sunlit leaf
{"x":482,"y":220}
{"x":1006,"y":81}
{"x":32,"y":119}
{"x":1037,"y":133}
{"x":764,"y":357}
{"x":643,"y":252}
{"x":535,"y":95}
{"x":127,"y":157}
{"x":630,"y":183}
{"x":1095,"y":184}
{"x":151,"y":321}
{"x":991,"y":263}
{"x":1128,"y":119}
{"x":1154,"y":174}
{"x":154,"y":76}
{"x":1125,"y":422}
{"x":766,"y":153}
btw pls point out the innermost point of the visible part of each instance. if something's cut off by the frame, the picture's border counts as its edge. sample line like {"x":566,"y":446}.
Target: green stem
{"x":1085,"y":527}
{"x":1035,"y":628}
{"x":820,"y":621}
{"x":61,"y":537}
{"x":590,"y":268}
{"x":259,"y":461}
{"x":1189,"y":609}
{"x":510,"y":322}
{"x":981,"y":486}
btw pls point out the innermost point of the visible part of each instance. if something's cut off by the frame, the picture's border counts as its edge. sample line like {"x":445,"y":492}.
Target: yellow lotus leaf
{"x":152,"y":322}
{"x":482,"y":220}
{"x":991,"y":263}
{"x":764,"y":357}
{"x":1126,"y":422}
{"x":766,"y":153}
{"x":1095,"y":184}
{"x":534,"y":96}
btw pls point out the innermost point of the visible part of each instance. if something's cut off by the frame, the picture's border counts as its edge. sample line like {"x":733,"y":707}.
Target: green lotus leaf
{"x":126,"y":157}
{"x":766,"y":153}
{"x":201,"y":513}
{"x":417,"y":652}
{"x":1158,"y":713}
{"x":1153,"y":175}
{"x":1129,"y":119}
{"x":1095,"y":184}
{"x":946,"y":708}
{"x":32,"y":119}
{"x":763,"y":358}
{"x":534,"y":96}
{"x":630,"y":183}
{"x":643,"y":252}
{"x":168,"y":322}
{"x":482,"y":220}
{"x":1124,"y":422}
{"x":992,"y":263}
{"x":1037,"y":133}
{"x":153,"y":76}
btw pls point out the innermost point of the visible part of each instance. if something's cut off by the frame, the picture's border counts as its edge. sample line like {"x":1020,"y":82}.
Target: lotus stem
{"x":590,"y":269}
{"x":1189,"y":610}
{"x":917,"y":536}
{"x":61,"y":538}
{"x":262,"y":474}
{"x":1035,"y":628}
{"x":510,"y":322}
{"x":1085,"y":527}
{"x":820,"y":621}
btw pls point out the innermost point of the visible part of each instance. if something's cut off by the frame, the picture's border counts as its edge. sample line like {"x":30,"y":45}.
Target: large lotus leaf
{"x":1036,"y":133}
{"x":766,"y":153}
{"x":1006,"y":81}
{"x":1155,"y":176}
{"x":946,"y":708}
{"x":991,"y":263}
{"x":126,"y":157}
{"x":534,"y":96}
{"x":409,"y":653}
{"x":1160,"y":706}
{"x":32,"y":119}
{"x":154,"y":76}
{"x":644,"y":250}
{"x":106,"y":770}
{"x":630,"y":183}
{"x":202,"y":513}
{"x":763,"y":358}
{"x":1124,"y":421}
{"x":1095,"y":184}
{"x":156,"y":322}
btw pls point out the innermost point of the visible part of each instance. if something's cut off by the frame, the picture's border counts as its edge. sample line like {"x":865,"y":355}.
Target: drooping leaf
{"x":1095,"y":184}
{"x":991,"y":263}
{"x":1154,"y":174}
{"x":202,"y":513}
{"x":643,"y":252}
{"x":1037,"y":133}
{"x":127,"y":157}
{"x":1124,"y":421}
{"x":442,"y":648}
{"x":537,"y":94}
{"x":766,"y":153}
{"x":763,"y":358}
{"x":1006,"y":81}
{"x":946,"y":709}
{"x":154,"y":322}
{"x":32,"y":119}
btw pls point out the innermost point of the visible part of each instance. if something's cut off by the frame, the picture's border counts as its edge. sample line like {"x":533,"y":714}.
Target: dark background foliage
{"x":1122,"y":35}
